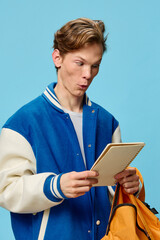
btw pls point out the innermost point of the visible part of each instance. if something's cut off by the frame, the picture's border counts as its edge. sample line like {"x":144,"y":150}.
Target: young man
{"x":48,"y":146}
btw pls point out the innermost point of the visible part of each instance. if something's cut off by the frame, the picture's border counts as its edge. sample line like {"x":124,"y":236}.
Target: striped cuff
{"x":52,"y":188}
{"x":140,"y":187}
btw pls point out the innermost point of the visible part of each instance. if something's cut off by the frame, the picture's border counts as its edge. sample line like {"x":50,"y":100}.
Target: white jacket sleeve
{"x":22,"y":190}
{"x":116,"y":137}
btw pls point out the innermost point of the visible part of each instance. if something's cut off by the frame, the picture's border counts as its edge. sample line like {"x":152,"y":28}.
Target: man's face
{"x":78,"y":68}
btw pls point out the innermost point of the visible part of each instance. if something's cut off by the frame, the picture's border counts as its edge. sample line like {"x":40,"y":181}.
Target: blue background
{"x":128,"y":83}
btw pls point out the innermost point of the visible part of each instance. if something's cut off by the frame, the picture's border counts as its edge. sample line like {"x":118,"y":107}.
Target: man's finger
{"x":84,"y":174}
{"x":125,"y":173}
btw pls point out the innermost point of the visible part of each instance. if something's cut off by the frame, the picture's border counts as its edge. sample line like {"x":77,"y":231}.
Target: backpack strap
{"x":114,"y":203}
{"x":148,"y":231}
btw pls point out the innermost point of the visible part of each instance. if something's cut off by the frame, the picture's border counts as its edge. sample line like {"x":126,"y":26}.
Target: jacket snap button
{"x":98,"y":222}
{"x":93,"y":111}
{"x":89,"y":145}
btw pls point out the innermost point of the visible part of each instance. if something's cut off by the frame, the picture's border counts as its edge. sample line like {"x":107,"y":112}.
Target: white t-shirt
{"x":77,"y":123}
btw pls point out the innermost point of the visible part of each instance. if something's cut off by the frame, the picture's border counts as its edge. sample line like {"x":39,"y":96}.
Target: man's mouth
{"x":83,"y":86}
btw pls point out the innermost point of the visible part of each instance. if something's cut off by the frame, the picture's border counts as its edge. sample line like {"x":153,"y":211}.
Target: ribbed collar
{"x":52,"y":98}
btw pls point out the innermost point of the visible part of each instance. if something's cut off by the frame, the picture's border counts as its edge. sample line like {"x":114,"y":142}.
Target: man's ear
{"x":57,"y":58}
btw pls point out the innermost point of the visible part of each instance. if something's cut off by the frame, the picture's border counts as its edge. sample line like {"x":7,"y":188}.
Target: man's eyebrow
{"x":98,"y":61}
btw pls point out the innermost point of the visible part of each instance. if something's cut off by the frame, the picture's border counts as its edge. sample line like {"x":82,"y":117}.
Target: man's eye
{"x":79,"y":63}
{"x":95,"y":66}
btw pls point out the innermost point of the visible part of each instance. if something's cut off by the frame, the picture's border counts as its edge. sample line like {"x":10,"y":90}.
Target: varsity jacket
{"x":37,"y":145}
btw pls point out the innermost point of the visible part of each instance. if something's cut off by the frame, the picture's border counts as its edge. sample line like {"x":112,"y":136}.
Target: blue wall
{"x":128,"y":83}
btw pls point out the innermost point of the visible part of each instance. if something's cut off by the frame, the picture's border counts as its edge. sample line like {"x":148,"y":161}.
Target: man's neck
{"x":71,"y":103}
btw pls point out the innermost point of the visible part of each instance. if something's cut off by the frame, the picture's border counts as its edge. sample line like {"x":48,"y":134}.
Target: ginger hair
{"x":77,"y":33}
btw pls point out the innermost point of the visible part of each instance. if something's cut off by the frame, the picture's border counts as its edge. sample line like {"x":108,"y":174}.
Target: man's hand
{"x":129,"y":180}
{"x":75,"y":184}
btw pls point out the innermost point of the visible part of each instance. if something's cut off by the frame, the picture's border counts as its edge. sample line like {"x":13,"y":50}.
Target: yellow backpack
{"x":131,"y":219}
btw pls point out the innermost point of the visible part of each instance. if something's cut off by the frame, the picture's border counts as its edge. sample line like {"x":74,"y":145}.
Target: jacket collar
{"x":53,"y":100}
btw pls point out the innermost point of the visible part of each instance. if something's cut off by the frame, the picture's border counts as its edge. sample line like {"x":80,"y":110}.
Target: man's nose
{"x":87,"y":72}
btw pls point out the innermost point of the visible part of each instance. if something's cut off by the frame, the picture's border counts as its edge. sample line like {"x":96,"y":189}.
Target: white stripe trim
{"x":52,"y":94}
{"x":111,"y":194}
{"x":111,"y":191}
{"x":44,"y":224}
{"x":55,"y":187}
{"x":140,"y":188}
{"x":55,"y":101}
{"x":52,"y":100}
{"x":88,"y":102}
{"x":51,"y":187}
